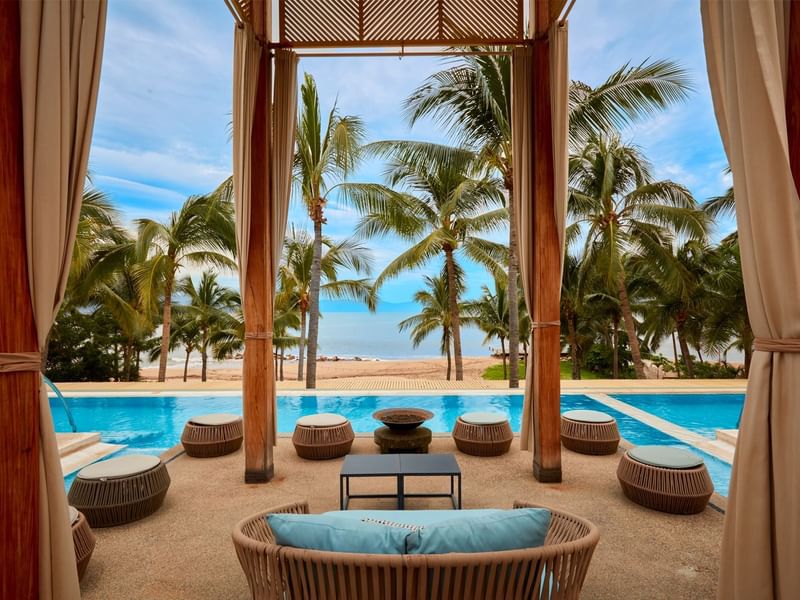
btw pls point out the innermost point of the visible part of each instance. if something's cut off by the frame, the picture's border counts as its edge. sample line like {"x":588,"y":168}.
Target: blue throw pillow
{"x":333,"y":533}
{"x":506,"y":530}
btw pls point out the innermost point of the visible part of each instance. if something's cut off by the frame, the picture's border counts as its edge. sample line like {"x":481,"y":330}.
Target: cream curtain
{"x":284,"y":127}
{"x":746,"y":53}
{"x":60,"y":56}
{"x":246,"y":57}
{"x":523,"y":80}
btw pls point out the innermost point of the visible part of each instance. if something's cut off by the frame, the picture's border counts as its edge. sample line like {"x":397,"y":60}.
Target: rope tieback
{"x":20,"y":362}
{"x":777,"y":344}
{"x":258,"y":335}
{"x":544,"y":324}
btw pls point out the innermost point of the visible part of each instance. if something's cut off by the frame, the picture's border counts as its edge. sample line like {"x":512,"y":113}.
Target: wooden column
{"x":19,"y":392}
{"x":258,"y":385}
{"x":546,"y":268}
{"x":793,"y":91}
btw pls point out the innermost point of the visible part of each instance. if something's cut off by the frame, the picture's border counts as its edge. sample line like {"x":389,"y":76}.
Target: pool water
{"x":153,"y":424}
{"x":701,"y":413}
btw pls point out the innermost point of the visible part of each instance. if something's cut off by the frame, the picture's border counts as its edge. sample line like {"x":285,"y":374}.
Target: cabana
{"x":50,"y":57}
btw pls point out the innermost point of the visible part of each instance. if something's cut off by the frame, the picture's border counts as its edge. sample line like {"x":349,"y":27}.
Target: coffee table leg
{"x":459,"y":491}
{"x":401,"y":493}
{"x":341,"y":492}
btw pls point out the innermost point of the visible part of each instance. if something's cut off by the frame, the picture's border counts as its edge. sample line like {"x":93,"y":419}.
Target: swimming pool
{"x":152,"y":424}
{"x":701,"y":413}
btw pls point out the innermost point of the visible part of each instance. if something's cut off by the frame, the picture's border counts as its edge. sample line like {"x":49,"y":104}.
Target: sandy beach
{"x":427,"y":368}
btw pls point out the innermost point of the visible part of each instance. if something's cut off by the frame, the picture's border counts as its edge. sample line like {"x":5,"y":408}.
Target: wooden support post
{"x":546,"y":269}
{"x":793,"y":91}
{"x":19,"y":392}
{"x":258,"y":384}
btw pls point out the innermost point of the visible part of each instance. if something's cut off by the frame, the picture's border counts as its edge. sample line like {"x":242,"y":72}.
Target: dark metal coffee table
{"x":399,"y":466}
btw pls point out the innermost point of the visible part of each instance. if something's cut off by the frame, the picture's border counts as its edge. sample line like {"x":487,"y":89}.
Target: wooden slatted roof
{"x":360,"y":23}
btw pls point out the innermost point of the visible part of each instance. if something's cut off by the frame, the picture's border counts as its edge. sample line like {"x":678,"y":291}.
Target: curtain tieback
{"x":258,"y":335}
{"x":16,"y":362}
{"x":777,"y":345}
{"x":543,"y":324}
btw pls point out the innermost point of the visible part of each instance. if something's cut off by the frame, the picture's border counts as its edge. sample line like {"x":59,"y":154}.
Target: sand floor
{"x":185,"y":550}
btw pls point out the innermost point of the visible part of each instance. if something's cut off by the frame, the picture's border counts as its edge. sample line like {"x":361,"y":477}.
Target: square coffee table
{"x":400,"y":467}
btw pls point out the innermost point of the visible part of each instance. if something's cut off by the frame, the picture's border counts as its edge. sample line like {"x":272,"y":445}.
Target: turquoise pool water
{"x":701,"y":413}
{"x":152,"y":424}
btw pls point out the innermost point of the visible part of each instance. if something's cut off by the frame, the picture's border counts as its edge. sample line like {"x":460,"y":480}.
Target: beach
{"x":422,"y":368}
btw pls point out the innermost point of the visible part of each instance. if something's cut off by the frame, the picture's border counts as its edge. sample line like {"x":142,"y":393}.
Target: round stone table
{"x":398,"y":441}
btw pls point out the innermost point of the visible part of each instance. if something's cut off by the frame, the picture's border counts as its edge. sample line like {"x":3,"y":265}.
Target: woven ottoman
{"x":483,"y":433}
{"x":664,"y":478}
{"x":120,"y":490}
{"x":82,"y":538}
{"x":207,"y":436}
{"x":322,"y":436}
{"x":589,"y":432}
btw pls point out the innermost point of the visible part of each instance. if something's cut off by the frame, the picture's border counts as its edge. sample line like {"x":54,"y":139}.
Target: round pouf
{"x":589,"y":432}
{"x":483,"y":433}
{"x":82,"y":538}
{"x":664,"y":478}
{"x":322,"y":436}
{"x":400,"y":441}
{"x":120,"y":490}
{"x":207,"y":436}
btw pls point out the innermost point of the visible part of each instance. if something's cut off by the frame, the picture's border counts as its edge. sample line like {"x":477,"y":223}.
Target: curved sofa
{"x":555,"y":570}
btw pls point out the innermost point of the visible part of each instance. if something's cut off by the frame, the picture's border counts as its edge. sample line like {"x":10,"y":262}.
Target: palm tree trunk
{"x":313,"y":305}
{"x":447,"y":353}
{"x":301,"y":346}
{"x":126,"y":362}
{"x":186,"y":366}
{"x":573,"y":347}
{"x":513,"y":292}
{"x":675,"y":354}
{"x":165,"y":327}
{"x":630,"y":328}
{"x":699,"y":353}
{"x":283,"y":351}
{"x":455,"y":321}
{"x":687,"y":358}
{"x":747,"y":344}
{"x":503,"y":352}
{"x":615,"y":351}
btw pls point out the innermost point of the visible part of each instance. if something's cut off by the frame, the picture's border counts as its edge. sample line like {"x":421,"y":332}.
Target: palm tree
{"x":325,"y":153}
{"x":185,"y":332}
{"x":445,"y":202}
{"x":473,"y":101}
{"x":295,"y":277}
{"x":434,"y":315}
{"x":678,"y":295}
{"x":211,"y":308}
{"x":201,"y":233}
{"x":727,"y":323}
{"x":490,"y":314}
{"x":623,"y":210}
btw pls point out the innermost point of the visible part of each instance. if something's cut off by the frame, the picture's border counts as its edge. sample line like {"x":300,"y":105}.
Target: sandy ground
{"x":428,"y":368}
{"x":184,"y":551}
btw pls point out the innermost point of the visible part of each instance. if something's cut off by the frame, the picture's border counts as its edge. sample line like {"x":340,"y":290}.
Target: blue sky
{"x":161,"y":132}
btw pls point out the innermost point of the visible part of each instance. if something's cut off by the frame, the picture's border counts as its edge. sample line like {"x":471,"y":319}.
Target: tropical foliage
{"x":640,"y":270}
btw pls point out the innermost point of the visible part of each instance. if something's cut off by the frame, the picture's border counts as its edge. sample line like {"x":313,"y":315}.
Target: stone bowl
{"x":402,"y":419}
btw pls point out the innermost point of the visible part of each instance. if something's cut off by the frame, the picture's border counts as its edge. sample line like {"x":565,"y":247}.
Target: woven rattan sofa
{"x":555,"y":570}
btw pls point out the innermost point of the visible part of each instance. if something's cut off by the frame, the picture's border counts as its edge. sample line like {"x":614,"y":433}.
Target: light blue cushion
{"x":333,"y":533}
{"x":507,"y":530}
{"x":421,"y":518}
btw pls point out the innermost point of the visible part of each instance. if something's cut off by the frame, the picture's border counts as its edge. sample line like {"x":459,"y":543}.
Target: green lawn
{"x":495,"y":372}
